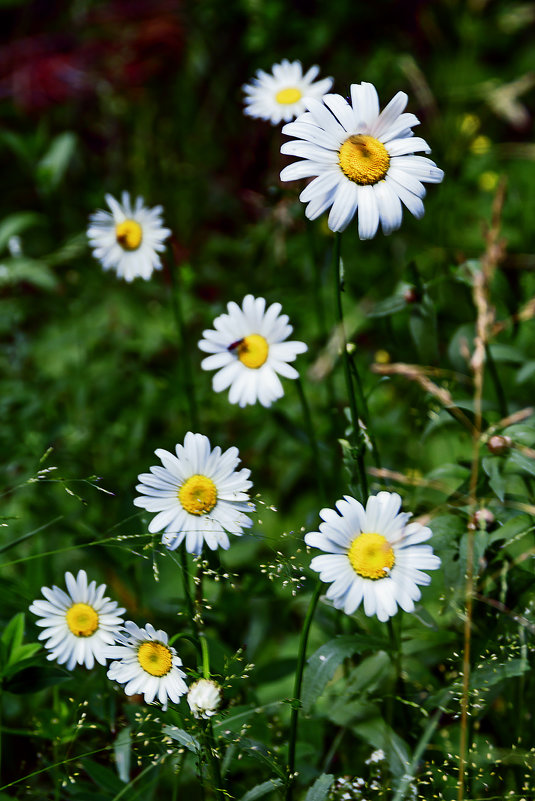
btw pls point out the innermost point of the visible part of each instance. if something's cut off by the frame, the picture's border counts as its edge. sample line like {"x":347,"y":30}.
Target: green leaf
{"x":493,"y":466}
{"x":182,"y":737}
{"x":515,"y":528}
{"x":102,"y":776}
{"x":388,"y":306}
{"x":320,"y":788}
{"x":53,"y":165}
{"x":31,"y":271}
{"x":14,"y":224}
{"x":261,"y":790}
{"x":322,"y":665}
{"x":524,"y":463}
{"x":122,"y":748}
{"x":33,"y":679}
{"x":14,"y":632}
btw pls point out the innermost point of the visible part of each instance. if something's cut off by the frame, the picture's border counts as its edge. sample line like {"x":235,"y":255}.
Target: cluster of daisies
{"x":83,"y":626}
{"x":361,"y":160}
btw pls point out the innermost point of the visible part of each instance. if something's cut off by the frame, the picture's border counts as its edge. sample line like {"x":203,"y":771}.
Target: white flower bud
{"x":204,"y":698}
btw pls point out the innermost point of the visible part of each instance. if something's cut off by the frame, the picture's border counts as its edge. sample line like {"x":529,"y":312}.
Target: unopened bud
{"x":499,"y":444}
{"x":204,"y":698}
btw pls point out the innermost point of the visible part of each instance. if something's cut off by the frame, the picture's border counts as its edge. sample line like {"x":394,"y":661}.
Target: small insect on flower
{"x":77,"y":626}
{"x":198,"y":494}
{"x":280,"y":95}
{"x":372,"y":555}
{"x":361,"y":159}
{"x":249,"y":351}
{"x":129,"y":239}
{"x":147,"y":664}
{"x":204,"y":698}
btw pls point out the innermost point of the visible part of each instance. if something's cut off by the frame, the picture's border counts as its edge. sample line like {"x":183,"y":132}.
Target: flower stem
{"x":296,"y":700}
{"x":214,"y":760}
{"x":189,"y":599}
{"x":357,"y":434}
{"x":185,"y":351}
{"x":318,"y":473}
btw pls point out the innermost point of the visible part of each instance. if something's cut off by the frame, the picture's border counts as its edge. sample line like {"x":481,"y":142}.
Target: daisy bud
{"x":204,"y":698}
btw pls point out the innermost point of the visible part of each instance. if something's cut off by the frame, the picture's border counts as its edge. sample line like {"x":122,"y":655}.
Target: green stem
{"x":359,"y":444}
{"x":365,"y":413}
{"x":189,"y":599}
{"x":205,"y":658}
{"x":318,"y":473}
{"x":214,"y":761}
{"x":500,"y":394}
{"x":395,"y":642}
{"x":185,"y":355}
{"x":296,"y":701}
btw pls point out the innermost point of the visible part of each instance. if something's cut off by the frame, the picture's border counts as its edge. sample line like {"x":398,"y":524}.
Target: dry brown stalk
{"x":485,"y":317}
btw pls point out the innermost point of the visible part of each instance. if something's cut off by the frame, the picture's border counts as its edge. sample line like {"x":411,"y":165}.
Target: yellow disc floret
{"x":371,"y":556}
{"x":364,"y":159}
{"x":129,"y":234}
{"x":82,"y":620}
{"x":198,"y":495}
{"x":288,"y":96}
{"x":253,"y":350}
{"x":155,"y":658}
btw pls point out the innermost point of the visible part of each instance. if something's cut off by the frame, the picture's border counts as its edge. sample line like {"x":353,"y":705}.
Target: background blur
{"x":100,"y":97}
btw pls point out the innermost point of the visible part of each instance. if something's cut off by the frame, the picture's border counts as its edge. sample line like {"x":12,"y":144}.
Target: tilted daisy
{"x":372,"y":555}
{"x":80,"y":624}
{"x":362,"y":159}
{"x":281,"y":94}
{"x":147,"y":665}
{"x":249,"y":349}
{"x":198,"y":494}
{"x":129,"y":239}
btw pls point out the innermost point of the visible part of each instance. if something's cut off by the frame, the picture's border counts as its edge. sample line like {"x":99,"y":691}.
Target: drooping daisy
{"x":204,"y":698}
{"x":281,"y":94}
{"x":129,"y":239}
{"x":362,"y":159}
{"x":249,"y":349}
{"x":372,"y":555}
{"x":198,"y":494}
{"x":80,"y":625}
{"x":147,"y":665}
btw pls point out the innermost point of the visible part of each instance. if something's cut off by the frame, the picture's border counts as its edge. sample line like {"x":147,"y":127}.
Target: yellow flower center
{"x":129,"y":234}
{"x":288,"y":96}
{"x":371,"y":556}
{"x":155,"y":658}
{"x":363,"y":159}
{"x":198,"y":495}
{"x":82,"y":620}
{"x":253,"y":350}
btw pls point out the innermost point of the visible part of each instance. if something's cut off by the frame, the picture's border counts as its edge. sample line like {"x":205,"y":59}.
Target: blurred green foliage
{"x":102,"y":97}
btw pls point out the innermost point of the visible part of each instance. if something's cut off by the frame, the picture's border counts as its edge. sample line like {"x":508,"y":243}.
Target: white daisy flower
{"x":198,"y":494}
{"x":129,"y":239}
{"x":372,"y":555}
{"x":78,"y":626}
{"x":249,"y":349}
{"x":362,"y":159}
{"x":281,"y":94}
{"x":147,"y":665}
{"x":204,"y":698}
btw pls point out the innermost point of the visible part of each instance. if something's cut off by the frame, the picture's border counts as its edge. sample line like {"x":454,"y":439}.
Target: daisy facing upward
{"x":129,"y":239}
{"x":78,"y":624}
{"x":198,"y":495}
{"x":280,"y":95}
{"x":372,"y":555}
{"x":147,"y":664}
{"x":249,"y":351}
{"x":361,"y":159}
